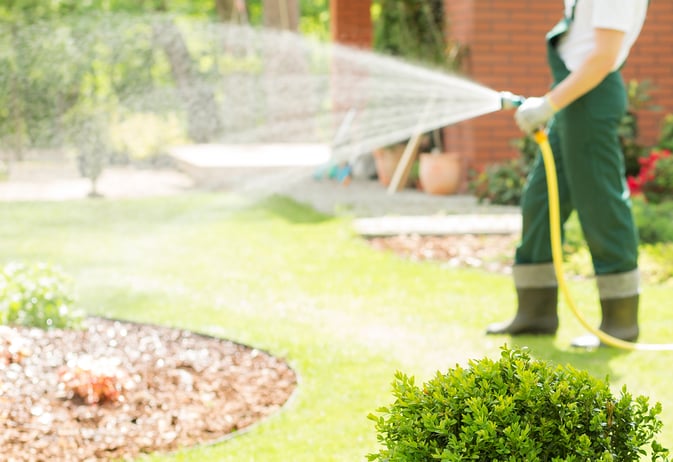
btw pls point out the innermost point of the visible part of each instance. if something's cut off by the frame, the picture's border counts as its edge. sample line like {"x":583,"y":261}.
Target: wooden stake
{"x":401,"y":174}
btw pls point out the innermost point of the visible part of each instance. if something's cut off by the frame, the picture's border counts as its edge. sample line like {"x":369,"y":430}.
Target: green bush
{"x":515,"y":409}
{"x":660,"y":187}
{"x":639,"y":98}
{"x":415,"y":31}
{"x":656,"y":262}
{"x":666,"y":133}
{"x":36,"y":296}
{"x":654,"y":221}
{"x":501,"y":184}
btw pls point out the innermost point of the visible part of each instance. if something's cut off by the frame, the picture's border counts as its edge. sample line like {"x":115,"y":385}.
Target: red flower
{"x":634,"y":185}
{"x":647,"y":171}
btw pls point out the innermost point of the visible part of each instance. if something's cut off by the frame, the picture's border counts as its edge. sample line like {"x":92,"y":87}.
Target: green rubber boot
{"x":536,"y":314}
{"x":620,"y":320}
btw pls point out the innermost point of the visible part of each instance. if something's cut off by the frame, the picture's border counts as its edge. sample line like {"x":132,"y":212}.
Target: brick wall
{"x":351,"y":25}
{"x":506,"y":51}
{"x":506,"y":47}
{"x":651,"y":58}
{"x":351,"y":22}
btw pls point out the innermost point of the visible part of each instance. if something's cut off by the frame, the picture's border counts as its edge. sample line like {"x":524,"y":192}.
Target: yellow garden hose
{"x":557,"y":254}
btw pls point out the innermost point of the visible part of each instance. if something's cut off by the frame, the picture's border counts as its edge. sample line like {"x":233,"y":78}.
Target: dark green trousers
{"x":590,"y":170}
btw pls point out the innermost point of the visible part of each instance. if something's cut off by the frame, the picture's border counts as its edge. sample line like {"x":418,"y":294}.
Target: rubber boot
{"x":620,"y":320}
{"x":536,"y":313}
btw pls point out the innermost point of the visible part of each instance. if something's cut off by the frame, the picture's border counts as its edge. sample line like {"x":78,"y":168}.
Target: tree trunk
{"x":231,"y":11}
{"x":203,"y":118}
{"x":225,"y":10}
{"x":281,"y":14}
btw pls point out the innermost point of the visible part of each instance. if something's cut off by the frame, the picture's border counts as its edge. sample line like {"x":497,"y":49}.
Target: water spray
{"x":264,"y":87}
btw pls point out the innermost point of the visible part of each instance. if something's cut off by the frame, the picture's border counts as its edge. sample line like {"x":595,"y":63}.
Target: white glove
{"x":534,"y":114}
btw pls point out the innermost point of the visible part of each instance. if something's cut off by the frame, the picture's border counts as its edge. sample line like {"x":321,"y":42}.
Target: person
{"x":582,"y":113}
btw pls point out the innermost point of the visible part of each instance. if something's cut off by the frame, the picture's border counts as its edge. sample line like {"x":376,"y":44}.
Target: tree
{"x":281,"y":14}
{"x":231,"y":11}
{"x":414,"y":30}
{"x":203,"y":120}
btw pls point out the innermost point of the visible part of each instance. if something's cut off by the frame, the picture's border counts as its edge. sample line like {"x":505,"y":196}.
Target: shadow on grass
{"x":291,"y":210}
{"x":596,"y":362}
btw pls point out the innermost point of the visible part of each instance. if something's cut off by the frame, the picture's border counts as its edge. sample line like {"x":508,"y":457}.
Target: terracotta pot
{"x":386,"y":160}
{"x":440,"y":173}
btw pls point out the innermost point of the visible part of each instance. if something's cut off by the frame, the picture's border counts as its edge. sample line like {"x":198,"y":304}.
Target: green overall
{"x":590,"y":169}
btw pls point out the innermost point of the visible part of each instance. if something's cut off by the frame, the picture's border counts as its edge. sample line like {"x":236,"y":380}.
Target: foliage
{"x":32,"y":10}
{"x":62,"y":58}
{"x":314,"y":19}
{"x":60,"y":69}
{"x":414,"y":30}
{"x":527,"y":147}
{"x":93,"y":145}
{"x":666,"y":134}
{"x":516,"y":408}
{"x":659,"y":188}
{"x":145,"y":136}
{"x":654,"y":223}
{"x":638,"y":98}
{"x":502,"y":183}
{"x":656,"y":260}
{"x":655,"y":179}
{"x":36,"y":296}
{"x":653,"y":220}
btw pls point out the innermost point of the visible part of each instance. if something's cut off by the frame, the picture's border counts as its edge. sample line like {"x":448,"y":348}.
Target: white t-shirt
{"x":627,"y":16}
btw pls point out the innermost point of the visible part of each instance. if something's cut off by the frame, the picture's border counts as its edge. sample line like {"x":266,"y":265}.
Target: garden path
{"x":376,"y":212}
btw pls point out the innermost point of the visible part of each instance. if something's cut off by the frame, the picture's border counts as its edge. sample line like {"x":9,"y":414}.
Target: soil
{"x":115,"y":390}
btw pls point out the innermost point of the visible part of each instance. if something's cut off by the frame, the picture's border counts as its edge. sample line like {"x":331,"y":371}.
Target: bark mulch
{"x":489,"y":252}
{"x":116,"y":390}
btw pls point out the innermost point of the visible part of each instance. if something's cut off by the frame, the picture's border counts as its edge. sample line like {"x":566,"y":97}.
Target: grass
{"x":301,"y":285}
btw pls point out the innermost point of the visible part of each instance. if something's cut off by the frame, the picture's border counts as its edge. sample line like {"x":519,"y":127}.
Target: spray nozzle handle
{"x":509,"y":100}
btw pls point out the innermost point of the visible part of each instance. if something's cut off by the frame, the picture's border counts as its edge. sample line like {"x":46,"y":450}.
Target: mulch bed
{"x":164,"y":389}
{"x":161,"y":388}
{"x":488,"y":252}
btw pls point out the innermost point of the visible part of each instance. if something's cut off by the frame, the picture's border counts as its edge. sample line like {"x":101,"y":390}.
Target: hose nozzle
{"x":509,"y":100}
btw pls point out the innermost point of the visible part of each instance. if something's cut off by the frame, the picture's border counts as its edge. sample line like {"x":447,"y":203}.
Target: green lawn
{"x":283,"y":278}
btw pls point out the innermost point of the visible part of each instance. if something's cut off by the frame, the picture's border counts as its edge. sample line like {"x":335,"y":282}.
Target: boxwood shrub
{"x":515,"y":409}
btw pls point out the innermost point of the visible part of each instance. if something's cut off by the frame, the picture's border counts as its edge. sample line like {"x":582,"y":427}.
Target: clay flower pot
{"x":386,"y":160}
{"x":440,"y":173}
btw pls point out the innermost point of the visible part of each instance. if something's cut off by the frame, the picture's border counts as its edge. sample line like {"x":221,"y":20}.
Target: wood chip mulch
{"x":172,"y":388}
{"x":485,"y":251}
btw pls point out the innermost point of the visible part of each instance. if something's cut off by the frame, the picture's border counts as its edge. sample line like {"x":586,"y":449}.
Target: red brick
{"x":507,"y":52}
{"x":506,"y":48}
{"x":351,"y":22}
